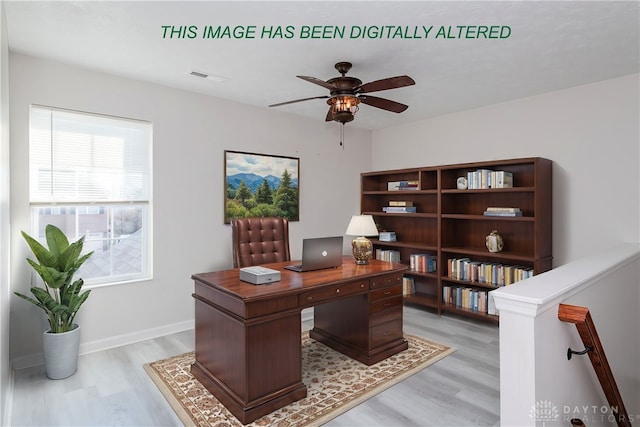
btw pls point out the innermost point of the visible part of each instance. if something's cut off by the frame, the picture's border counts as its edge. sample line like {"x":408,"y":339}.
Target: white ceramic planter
{"x":61,"y":353}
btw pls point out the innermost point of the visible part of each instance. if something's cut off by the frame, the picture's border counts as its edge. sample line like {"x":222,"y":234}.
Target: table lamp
{"x":361,"y":226}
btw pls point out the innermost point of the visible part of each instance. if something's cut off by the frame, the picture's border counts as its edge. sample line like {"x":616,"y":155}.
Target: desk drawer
{"x":386,"y":332}
{"x":328,"y":292}
{"x":386,"y":304}
{"x":386,"y":281}
{"x":388,"y":313}
{"x":380,"y":294}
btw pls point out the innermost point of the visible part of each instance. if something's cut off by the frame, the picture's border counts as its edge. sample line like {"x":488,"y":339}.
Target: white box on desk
{"x":259,"y":275}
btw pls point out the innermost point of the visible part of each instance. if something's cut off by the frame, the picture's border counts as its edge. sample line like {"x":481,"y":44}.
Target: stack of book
{"x":388,"y":255}
{"x":399,"y":206}
{"x":408,"y":286}
{"x":402,"y":185}
{"x":422,"y":263}
{"x":475,"y":300}
{"x":495,"y":211}
{"x":489,"y":273}
{"x":487,"y":178}
{"x":387,"y":236}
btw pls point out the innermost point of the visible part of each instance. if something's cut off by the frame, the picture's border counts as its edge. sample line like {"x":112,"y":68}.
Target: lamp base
{"x":362,"y":250}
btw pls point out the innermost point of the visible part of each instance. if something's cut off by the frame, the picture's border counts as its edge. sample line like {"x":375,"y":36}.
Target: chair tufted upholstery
{"x":259,"y":241}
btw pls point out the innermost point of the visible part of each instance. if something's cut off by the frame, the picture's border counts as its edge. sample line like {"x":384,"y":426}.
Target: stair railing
{"x":581,"y":317}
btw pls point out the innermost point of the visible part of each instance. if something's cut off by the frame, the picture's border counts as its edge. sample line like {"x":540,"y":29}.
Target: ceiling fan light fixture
{"x":343,"y":107}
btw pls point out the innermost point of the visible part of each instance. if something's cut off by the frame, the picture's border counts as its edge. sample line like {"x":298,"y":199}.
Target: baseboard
{"x":36,"y":359}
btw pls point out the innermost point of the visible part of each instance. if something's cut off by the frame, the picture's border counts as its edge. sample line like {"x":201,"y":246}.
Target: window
{"x":90,"y":175}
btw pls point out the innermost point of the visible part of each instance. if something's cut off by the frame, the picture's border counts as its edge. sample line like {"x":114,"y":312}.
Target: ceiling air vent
{"x":203,"y":75}
{"x":199,"y":74}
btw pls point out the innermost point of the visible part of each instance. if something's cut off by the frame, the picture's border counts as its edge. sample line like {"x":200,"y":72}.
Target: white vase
{"x":61,"y":353}
{"x":494,"y":242}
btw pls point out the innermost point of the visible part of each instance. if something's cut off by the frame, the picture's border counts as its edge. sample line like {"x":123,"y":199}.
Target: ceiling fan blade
{"x":298,"y":100}
{"x":385,"y":104}
{"x":384,"y":84}
{"x":322,"y":83}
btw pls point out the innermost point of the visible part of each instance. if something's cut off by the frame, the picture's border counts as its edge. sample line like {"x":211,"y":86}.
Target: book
{"x":422,"y":263}
{"x":387,"y":236}
{"x":503,"y":179}
{"x":388,"y":255}
{"x":408,"y":286}
{"x":487,"y":178}
{"x":399,"y":209}
{"x":493,"y":213}
{"x":400,"y":203}
{"x":502,"y":209}
{"x":402,"y":185}
{"x":489,"y":273}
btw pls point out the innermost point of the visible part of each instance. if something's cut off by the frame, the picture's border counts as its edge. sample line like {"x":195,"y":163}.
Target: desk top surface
{"x":229,"y":281}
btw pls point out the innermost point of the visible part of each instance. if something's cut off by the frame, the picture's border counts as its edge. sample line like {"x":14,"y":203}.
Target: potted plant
{"x":60,"y":298}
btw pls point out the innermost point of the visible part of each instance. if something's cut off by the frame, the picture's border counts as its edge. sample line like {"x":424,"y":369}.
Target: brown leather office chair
{"x":260,"y":241}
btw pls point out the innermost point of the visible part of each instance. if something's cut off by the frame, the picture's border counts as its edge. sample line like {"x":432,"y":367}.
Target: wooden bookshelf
{"x":450,"y":223}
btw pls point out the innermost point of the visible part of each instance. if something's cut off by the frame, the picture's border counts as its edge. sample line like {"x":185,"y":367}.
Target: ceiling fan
{"x":345,"y":93}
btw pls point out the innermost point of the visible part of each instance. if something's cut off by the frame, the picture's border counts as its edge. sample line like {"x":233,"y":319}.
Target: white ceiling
{"x":553,"y":45}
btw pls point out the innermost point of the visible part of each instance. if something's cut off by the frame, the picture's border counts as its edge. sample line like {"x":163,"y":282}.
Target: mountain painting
{"x":261,"y":185}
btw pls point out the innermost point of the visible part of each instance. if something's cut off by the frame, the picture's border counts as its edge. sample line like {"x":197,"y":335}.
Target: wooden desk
{"x":248,"y":347}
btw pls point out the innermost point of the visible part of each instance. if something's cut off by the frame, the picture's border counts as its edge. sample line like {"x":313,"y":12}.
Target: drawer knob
{"x":309,"y":298}
{"x":338,"y":291}
{"x":387,"y":293}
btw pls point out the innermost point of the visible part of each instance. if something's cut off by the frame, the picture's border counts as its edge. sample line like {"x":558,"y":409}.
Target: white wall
{"x":5,"y":370}
{"x":191,"y":133}
{"x":533,"y":342}
{"x":591,"y":133}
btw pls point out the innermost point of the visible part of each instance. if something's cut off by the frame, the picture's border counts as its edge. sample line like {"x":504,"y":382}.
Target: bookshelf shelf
{"x":469,"y":313}
{"x":450,"y":282}
{"x":490,"y":190}
{"x":401,"y":193}
{"x":402,"y":244}
{"x":408,"y":214}
{"x":487,"y":256}
{"x":422,"y":300}
{"x":449,"y":223}
{"x":488,"y":218}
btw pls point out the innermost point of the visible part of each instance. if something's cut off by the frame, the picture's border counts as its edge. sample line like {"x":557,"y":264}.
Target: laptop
{"x":319,"y":253}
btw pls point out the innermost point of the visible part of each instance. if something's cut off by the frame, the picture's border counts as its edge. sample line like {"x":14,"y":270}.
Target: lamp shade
{"x":362,"y":225}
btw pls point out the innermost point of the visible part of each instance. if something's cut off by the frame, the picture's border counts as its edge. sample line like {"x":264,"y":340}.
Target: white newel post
{"x":517,"y":360}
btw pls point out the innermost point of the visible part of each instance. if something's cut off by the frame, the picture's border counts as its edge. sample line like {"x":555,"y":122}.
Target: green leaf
{"x":41,"y":253}
{"x":50,"y":275}
{"x":31,"y":300}
{"x":45,"y":299}
{"x":56,"y":240}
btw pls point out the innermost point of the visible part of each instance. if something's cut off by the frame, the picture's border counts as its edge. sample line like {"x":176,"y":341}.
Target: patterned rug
{"x":335,"y":383}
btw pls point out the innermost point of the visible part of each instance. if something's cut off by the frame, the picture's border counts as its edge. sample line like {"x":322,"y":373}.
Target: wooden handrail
{"x":587,"y":330}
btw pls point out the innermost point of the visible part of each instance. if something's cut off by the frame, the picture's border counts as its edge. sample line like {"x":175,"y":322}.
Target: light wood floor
{"x":111,"y":388}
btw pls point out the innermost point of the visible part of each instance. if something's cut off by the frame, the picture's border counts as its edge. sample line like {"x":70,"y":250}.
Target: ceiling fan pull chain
{"x":342,"y":136}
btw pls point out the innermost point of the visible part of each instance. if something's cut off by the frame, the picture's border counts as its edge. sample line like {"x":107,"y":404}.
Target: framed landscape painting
{"x":261,"y":185}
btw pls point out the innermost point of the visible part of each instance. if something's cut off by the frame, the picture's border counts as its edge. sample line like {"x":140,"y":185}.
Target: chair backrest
{"x":260,"y":241}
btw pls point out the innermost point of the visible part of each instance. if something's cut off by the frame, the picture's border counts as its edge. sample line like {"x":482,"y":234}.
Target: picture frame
{"x":261,"y":185}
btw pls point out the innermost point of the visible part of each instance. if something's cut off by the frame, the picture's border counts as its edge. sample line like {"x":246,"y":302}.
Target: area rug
{"x":335,"y":383}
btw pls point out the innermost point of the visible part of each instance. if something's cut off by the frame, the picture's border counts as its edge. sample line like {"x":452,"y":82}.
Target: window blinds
{"x":79,"y":158}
